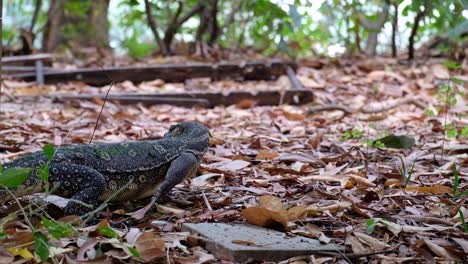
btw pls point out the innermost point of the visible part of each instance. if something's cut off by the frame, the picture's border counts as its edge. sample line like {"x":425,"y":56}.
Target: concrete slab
{"x":238,"y":242}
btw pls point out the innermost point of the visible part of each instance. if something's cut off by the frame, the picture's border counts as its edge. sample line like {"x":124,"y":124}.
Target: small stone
{"x":237,"y":242}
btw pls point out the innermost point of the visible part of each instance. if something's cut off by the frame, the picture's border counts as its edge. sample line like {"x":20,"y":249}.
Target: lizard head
{"x":195,"y":135}
{"x":193,"y":130}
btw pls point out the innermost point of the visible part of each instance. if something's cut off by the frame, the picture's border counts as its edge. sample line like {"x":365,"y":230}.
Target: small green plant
{"x":447,"y":96}
{"x":406,"y":174}
{"x":371,"y":223}
{"x":456,"y":183}
{"x":355,"y":133}
{"x":462,"y":218}
{"x":14,"y":177}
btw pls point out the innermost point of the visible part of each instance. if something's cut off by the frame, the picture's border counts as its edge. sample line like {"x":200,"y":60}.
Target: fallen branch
{"x":390,"y":104}
{"x":328,"y":107}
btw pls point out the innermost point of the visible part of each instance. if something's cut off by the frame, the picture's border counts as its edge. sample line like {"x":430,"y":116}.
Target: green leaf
{"x":44,"y":172}
{"x":429,"y":112}
{"x":107,"y":232}
{"x":464,"y":132}
{"x":398,"y":142}
{"x":49,"y":151}
{"x":134,"y":252}
{"x":452,"y":65}
{"x":41,"y":246}
{"x":452,"y":133}
{"x":370,"y":223}
{"x":378,"y":144}
{"x":460,"y":194}
{"x":3,"y":235}
{"x":1,"y":168}
{"x":457,"y":81}
{"x":356,"y":133}
{"x":58,"y":229}
{"x":13,"y":177}
{"x":462,"y":218}
{"x":456,"y":180}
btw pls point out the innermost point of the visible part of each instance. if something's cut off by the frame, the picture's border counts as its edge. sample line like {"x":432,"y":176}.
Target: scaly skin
{"x":93,"y":173}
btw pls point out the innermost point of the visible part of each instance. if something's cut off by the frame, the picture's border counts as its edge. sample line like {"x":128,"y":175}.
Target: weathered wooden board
{"x":27,"y":58}
{"x":253,"y":70}
{"x":295,"y":97}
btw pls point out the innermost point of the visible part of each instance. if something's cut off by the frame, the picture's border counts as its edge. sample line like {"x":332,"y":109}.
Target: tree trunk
{"x":414,"y":31}
{"x":1,"y":51}
{"x":374,"y":29}
{"x":154,"y":28}
{"x":84,"y":27}
{"x":213,"y":26}
{"x":52,"y":26}
{"x":37,"y":8}
{"x":357,"y":37}
{"x":394,"y":28}
{"x":97,"y":19}
{"x":177,"y":22}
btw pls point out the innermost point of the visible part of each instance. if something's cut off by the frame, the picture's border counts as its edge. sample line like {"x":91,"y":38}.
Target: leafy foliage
{"x":302,"y":28}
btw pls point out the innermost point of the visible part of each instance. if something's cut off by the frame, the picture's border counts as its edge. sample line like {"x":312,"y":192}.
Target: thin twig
{"x":26,"y":218}
{"x":447,"y":105}
{"x":328,"y":107}
{"x":207,"y":203}
{"x":91,"y":214}
{"x":103,"y":104}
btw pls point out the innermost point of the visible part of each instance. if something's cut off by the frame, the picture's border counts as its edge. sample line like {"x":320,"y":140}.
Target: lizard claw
{"x":140,"y":213}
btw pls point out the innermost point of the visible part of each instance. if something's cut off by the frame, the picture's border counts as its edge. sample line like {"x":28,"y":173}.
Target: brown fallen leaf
{"x":374,"y":243}
{"x":150,"y":246}
{"x":243,"y":242}
{"x":440,"y":251}
{"x":5,"y":256}
{"x":356,"y":245}
{"x":263,"y":217}
{"x":246,"y":104}
{"x":265,"y":154}
{"x":436,"y":189}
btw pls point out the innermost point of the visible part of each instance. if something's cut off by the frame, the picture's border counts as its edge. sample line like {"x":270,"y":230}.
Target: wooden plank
{"x":27,"y":58}
{"x":255,"y":70}
{"x":295,"y":97}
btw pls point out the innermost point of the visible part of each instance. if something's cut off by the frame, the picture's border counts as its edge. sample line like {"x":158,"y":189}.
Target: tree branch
{"x":414,"y":31}
{"x":154,"y":29}
{"x":231,"y":16}
{"x":368,"y":25}
{"x":394,"y":27}
{"x":196,"y":9}
{"x":37,"y":8}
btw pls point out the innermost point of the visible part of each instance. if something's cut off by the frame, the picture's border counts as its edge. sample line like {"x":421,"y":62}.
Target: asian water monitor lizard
{"x":93,"y":173}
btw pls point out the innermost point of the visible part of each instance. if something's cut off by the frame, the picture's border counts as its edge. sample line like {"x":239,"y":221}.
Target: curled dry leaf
{"x":260,"y":216}
{"x":440,"y":251}
{"x":232,"y":165}
{"x":271,"y":211}
{"x":332,"y":208}
{"x":265,"y":154}
{"x":436,"y":189}
{"x":374,"y":243}
{"x":355,"y":244}
{"x":150,"y":246}
{"x":5,"y":256}
{"x":392,"y":183}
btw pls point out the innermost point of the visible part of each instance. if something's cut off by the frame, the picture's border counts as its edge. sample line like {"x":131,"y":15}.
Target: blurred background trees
{"x":293,"y":28}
